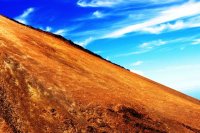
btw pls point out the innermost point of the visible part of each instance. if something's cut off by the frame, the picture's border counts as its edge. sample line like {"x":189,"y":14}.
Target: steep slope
{"x":50,"y":85}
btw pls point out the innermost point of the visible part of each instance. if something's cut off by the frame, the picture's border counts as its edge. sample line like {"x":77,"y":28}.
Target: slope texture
{"x":48,"y":84}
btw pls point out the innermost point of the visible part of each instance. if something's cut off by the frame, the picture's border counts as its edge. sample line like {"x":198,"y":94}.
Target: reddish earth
{"x":50,"y":85}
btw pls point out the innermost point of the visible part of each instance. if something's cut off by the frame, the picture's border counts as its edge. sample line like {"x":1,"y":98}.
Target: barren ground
{"x":48,"y":85}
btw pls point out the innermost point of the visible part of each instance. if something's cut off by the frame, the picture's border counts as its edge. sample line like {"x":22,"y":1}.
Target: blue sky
{"x":159,"y":39}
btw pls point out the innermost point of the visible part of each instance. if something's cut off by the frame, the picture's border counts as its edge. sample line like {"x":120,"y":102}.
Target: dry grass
{"x":49,"y":85}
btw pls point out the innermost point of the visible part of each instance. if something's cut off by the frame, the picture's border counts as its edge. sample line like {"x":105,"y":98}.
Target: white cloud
{"x":48,"y":28}
{"x":189,"y":9}
{"x":94,"y":15}
{"x":98,"y":52}
{"x":165,"y":27}
{"x":154,"y":30}
{"x":176,"y":26}
{"x":145,"y":47}
{"x":99,"y":3}
{"x":149,"y":46}
{"x":113,"y":3}
{"x":137,"y":72}
{"x":140,"y":51}
{"x":179,"y":24}
{"x":152,"y":44}
{"x":196,"y":42}
{"x":180,"y":77}
{"x":132,"y":53}
{"x":23,"y":17}
{"x":85,"y":42}
{"x":107,"y":58}
{"x":164,"y":19}
{"x":61,"y":32}
{"x":137,"y":63}
{"x":98,"y":14}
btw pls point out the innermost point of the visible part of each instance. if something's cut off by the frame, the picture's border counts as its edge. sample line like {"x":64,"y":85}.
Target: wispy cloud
{"x":48,"y":28}
{"x":92,"y":16}
{"x":24,"y":16}
{"x":137,"y":71}
{"x":113,"y":3}
{"x":152,"y":44}
{"x":66,"y":30}
{"x":137,"y":63}
{"x":61,"y":32}
{"x":165,"y":19}
{"x":170,"y":17}
{"x":98,"y":52}
{"x":98,"y":14}
{"x":85,"y":42}
{"x":132,"y":53}
{"x":177,"y":25}
{"x":99,"y":3}
{"x":196,"y":42}
{"x":185,"y":10}
{"x":145,"y":47}
{"x":165,"y":27}
{"x":177,"y":74}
